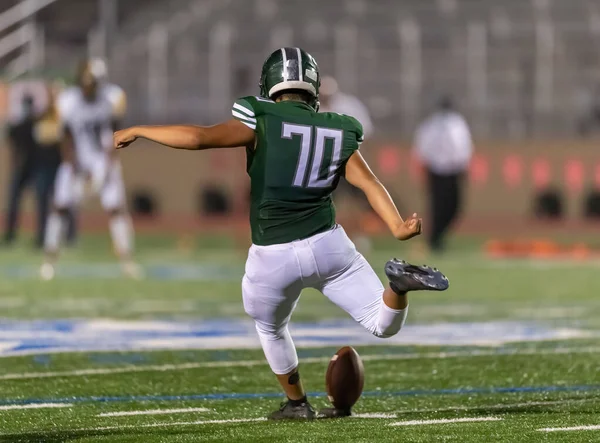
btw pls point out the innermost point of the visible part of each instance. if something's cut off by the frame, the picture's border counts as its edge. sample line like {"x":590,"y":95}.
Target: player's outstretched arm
{"x":360,"y":175}
{"x":230,"y":134}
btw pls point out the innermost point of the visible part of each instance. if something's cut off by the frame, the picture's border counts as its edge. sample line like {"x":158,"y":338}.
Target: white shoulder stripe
{"x":243,"y":109}
{"x":243,"y":117}
{"x":250,"y":125}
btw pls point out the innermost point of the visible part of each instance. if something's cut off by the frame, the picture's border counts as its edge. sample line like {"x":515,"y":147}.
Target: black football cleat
{"x":334,"y":413}
{"x":288,"y":412}
{"x":405,"y":277}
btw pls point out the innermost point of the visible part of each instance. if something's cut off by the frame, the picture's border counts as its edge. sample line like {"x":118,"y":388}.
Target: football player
{"x":88,"y":114}
{"x":295,"y":158}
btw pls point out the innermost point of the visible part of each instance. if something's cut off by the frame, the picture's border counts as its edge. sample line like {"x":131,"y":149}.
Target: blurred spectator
{"x":22,"y":163}
{"x":332,"y":100}
{"x":443,"y":143}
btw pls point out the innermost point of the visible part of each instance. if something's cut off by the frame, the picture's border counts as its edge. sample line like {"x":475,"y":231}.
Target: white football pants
{"x":329,"y":262}
{"x":107,"y":183}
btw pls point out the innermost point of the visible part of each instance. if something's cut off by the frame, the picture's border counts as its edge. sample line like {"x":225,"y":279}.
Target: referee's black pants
{"x":445,"y":199}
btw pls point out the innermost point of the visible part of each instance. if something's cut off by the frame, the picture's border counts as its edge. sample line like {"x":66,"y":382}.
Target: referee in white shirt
{"x":443,"y":143}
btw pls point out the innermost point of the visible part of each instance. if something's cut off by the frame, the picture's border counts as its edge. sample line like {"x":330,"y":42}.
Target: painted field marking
{"x":375,"y":415}
{"x":35,"y":406}
{"x":266,"y":395}
{"x":496,"y":406}
{"x":310,"y":360}
{"x":153,"y":412}
{"x":180,"y":423}
{"x":572,"y":428}
{"x":442,"y":421}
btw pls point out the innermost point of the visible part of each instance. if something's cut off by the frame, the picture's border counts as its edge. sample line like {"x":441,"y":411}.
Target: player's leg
{"x":112,"y":196}
{"x":64,"y":197}
{"x":17,"y":186}
{"x":271,"y":289}
{"x":350,"y":282}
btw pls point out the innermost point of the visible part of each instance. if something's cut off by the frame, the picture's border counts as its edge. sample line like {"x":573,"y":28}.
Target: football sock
{"x":54,"y":230}
{"x":121,"y":233}
{"x":390,"y":320}
{"x":299,"y":402}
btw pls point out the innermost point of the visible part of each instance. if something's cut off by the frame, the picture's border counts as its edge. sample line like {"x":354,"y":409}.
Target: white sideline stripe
{"x":573,"y":428}
{"x":243,"y":117}
{"x":251,"y":363}
{"x":152,"y":412}
{"x":244,"y":110}
{"x":36,"y":406}
{"x":442,"y":421}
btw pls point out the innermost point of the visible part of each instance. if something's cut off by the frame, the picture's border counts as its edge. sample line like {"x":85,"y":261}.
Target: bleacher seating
{"x":502,"y":94}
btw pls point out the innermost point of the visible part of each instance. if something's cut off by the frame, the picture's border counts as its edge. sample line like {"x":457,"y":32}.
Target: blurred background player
{"x":47,"y":133}
{"x":333,"y":100}
{"x":88,"y":114}
{"x":443,"y":143}
{"x":358,"y":212}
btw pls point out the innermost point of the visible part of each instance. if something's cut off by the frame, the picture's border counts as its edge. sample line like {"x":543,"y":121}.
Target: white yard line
{"x":153,"y":412}
{"x":443,"y":421}
{"x":250,"y":363}
{"x":494,"y":406}
{"x":375,"y":415}
{"x":35,"y":406}
{"x":180,"y":423}
{"x":572,"y":428}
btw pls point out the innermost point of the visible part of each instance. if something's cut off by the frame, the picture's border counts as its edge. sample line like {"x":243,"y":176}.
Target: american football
{"x":345,"y":378}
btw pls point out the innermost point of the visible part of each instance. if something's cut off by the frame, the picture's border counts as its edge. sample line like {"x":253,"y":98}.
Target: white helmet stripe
{"x":285,"y":76}
{"x":291,"y":64}
{"x":299,"y":64}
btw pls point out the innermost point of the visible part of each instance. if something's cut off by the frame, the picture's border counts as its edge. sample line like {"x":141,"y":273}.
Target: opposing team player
{"x":296,"y":157}
{"x":88,"y":114}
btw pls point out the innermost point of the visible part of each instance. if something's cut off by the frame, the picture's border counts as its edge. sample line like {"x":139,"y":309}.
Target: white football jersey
{"x":90,"y":122}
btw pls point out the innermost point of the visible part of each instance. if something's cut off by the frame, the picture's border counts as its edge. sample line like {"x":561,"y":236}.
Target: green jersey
{"x":294,"y":166}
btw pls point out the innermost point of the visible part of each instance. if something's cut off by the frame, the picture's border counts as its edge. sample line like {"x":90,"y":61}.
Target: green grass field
{"x":509,"y":353}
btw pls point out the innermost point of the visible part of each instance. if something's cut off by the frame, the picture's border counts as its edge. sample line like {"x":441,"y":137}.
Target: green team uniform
{"x":294,"y":167}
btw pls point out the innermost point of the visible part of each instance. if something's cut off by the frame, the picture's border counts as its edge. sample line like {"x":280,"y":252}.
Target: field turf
{"x":509,"y":353}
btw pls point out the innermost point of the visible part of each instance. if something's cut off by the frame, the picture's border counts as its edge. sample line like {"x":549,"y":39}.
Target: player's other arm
{"x":360,"y":175}
{"x":230,"y":134}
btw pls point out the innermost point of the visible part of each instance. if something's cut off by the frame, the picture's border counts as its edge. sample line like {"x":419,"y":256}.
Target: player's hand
{"x":123,"y":138}
{"x":410,"y":228}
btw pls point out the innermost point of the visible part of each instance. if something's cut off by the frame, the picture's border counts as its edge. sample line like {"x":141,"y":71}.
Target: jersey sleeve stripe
{"x":250,"y":125}
{"x":243,"y":110}
{"x":243,"y":117}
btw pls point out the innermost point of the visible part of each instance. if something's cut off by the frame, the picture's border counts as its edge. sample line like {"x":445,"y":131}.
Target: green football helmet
{"x":290,"y":68}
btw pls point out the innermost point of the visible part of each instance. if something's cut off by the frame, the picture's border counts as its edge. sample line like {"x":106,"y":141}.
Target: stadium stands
{"x":518,"y":67}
